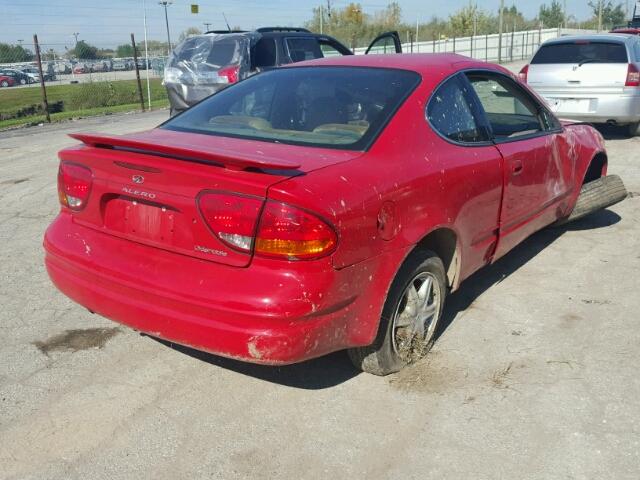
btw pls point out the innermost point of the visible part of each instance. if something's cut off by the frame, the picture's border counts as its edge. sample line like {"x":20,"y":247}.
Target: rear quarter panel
{"x":422,"y":181}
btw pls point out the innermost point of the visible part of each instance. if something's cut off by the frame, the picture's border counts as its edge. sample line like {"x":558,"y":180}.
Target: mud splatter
{"x":78,"y":339}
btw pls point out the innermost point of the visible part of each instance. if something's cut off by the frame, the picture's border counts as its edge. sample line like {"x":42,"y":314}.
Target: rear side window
{"x":636,"y":49}
{"x":581,"y":52}
{"x":264,"y":53}
{"x":451,"y":113}
{"x":510,"y":112}
{"x":301,"y":49}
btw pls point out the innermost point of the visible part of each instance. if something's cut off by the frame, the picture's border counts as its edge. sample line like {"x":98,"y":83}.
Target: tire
{"x":397,"y":345}
{"x":23,"y":81}
{"x":596,"y":195}
{"x":4,"y":84}
{"x":633,"y":129}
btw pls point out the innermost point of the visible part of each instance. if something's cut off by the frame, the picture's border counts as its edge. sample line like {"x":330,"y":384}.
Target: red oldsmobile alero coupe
{"x":323,"y":206}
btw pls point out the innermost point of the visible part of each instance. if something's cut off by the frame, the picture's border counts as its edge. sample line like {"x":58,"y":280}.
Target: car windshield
{"x":340,"y":107}
{"x":581,"y":51}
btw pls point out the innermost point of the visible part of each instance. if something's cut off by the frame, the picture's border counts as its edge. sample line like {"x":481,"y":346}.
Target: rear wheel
{"x":23,"y":81}
{"x":409,"y":319}
{"x":633,"y":129}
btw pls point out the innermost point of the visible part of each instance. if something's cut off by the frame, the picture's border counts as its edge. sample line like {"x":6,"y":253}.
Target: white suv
{"x":591,"y":78}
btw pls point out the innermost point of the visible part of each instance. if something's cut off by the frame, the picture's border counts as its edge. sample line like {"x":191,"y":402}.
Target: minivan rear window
{"x":581,"y":52}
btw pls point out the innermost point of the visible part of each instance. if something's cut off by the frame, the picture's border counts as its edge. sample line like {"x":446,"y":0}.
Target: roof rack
{"x":219,"y":32}
{"x":281,"y":29}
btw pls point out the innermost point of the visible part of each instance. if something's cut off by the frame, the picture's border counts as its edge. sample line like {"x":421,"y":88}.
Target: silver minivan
{"x":591,"y":78}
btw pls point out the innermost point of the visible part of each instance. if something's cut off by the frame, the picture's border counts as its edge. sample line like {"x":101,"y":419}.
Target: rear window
{"x":339,"y":107}
{"x":581,"y":52}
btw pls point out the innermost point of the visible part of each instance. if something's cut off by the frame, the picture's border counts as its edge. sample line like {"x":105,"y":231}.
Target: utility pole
{"x":564,"y":10}
{"x":146,"y":50}
{"x":600,"y":15}
{"x":500,"y":26}
{"x":76,"y":34}
{"x":321,"y":19}
{"x":207,"y":26}
{"x":165,"y":4}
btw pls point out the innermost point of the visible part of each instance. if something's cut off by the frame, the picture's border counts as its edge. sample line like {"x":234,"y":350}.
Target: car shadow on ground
{"x":490,"y":275}
{"x":336,"y":368}
{"x":610,"y":132}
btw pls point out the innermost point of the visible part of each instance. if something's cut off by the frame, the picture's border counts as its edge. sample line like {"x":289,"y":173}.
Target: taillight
{"x":74,"y":185}
{"x":232,"y":218}
{"x":633,"y":76}
{"x":523,"y":73}
{"x":230,"y":73}
{"x":281,"y":231}
{"x":289,"y":232}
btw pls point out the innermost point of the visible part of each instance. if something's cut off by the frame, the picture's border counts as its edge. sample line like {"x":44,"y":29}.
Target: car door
{"x":388,"y":42}
{"x":472,"y":180}
{"x":537,"y":173}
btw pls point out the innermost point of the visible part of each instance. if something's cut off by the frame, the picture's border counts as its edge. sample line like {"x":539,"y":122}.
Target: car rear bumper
{"x":622,"y":108}
{"x":270,"y":312}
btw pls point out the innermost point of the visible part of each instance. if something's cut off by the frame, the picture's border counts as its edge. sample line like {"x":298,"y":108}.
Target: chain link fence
{"x":75,"y":87}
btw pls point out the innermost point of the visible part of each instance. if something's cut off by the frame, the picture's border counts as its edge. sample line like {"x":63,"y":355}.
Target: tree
{"x":551,"y":16}
{"x":189,"y":32}
{"x":126,"y":50}
{"x":14,"y":53}
{"x":85,"y":51}
{"x":611,"y":15}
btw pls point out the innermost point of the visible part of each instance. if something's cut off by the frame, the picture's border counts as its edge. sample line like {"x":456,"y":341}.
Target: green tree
{"x":14,"y":53}
{"x":85,"y":51}
{"x":126,"y":50}
{"x":611,"y":14}
{"x":551,"y":16}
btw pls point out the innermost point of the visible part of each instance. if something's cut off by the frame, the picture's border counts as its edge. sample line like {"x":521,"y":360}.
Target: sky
{"x":108,"y":23}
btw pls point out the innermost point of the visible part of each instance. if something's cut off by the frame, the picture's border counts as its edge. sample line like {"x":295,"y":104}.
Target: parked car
{"x":49,"y":75}
{"x":61,"y":68}
{"x":592,"y":78}
{"x":119,"y":65}
{"x":6,"y":81}
{"x":80,"y":68}
{"x":326,"y":205}
{"x":19,"y":77}
{"x":204,"y":64}
{"x":101,"y":66}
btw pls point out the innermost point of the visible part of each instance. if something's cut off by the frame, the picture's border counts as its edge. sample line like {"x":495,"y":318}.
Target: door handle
{"x":516,"y":167}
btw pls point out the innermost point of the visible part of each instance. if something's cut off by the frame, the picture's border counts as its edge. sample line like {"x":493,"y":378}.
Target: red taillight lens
{"x":633,"y":76}
{"x":284,"y":231}
{"x":232,"y":218}
{"x":231,"y":73}
{"x":523,"y":73}
{"x":289,"y":232}
{"x":74,"y":185}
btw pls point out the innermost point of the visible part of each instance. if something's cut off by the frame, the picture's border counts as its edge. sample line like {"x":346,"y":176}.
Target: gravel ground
{"x":534,"y":375}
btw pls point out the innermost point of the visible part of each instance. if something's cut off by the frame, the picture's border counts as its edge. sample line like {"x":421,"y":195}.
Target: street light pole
{"x":207,"y":26}
{"x":165,"y":4}
{"x":146,"y":51}
{"x":76,"y":35}
{"x":500,"y":27}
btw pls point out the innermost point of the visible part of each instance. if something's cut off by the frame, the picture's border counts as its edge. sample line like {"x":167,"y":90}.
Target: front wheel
{"x":409,"y":319}
{"x":4,"y":84}
{"x":23,"y":81}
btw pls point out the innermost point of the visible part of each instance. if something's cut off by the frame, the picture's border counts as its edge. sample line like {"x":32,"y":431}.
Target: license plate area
{"x":141,"y":220}
{"x":573,"y":105}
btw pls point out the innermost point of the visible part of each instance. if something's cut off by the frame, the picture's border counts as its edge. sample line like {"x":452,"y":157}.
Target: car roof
{"x":423,"y":63}
{"x":607,"y":37}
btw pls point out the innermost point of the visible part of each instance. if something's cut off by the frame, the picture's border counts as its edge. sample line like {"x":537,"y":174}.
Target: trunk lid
{"x":146,"y":186}
{"x":580,"y":66}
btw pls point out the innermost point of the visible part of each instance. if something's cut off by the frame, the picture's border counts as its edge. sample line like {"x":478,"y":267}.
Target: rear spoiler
{"x":214,"y":155}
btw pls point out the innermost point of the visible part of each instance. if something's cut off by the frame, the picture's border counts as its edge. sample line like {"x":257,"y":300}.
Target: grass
{"x":22,"y":106}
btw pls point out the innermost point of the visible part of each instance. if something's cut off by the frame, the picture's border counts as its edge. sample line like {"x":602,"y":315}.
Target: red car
{"x":6,"y":81}
{"x":328,"y":205}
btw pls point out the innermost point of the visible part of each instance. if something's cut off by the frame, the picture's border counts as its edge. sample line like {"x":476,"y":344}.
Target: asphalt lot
{"x":534,"y":376}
